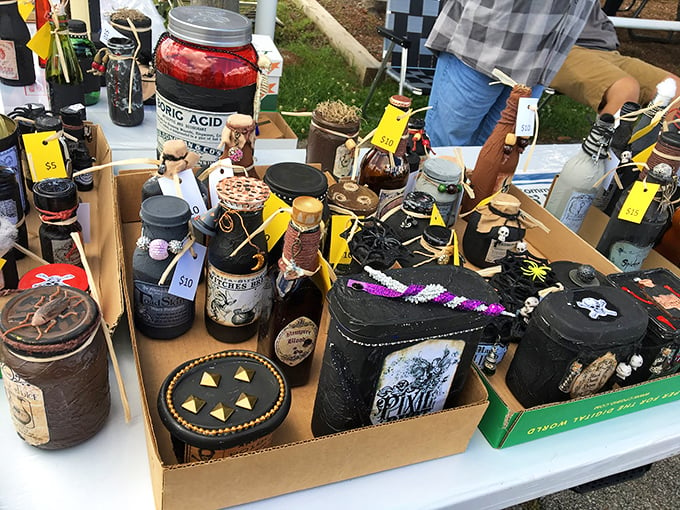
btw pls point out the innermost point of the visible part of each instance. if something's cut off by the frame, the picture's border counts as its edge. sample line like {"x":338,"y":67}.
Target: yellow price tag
{"x":339,"y":249}
{"x":275,"y":230}
{"x":436,"y":218}
{"x":638,"y":201}
{"x":2,"y":262}
{"x":390,"y":129}
{"x":25,"y":8}
{"x":44,"y":158}
{"x":325,"y":276}
{"x":643,"y":155}
{"x":40,"y":42}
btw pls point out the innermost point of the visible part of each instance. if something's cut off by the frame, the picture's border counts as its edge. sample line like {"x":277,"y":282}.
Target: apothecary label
{"x":296,"y":341}
{"x":234,"y":300}
{"x":27,"y":407}
{"x":156,"y":307}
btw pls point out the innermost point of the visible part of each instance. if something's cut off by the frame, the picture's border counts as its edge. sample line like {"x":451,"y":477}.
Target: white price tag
{"x":187,"y":273}
{"x":190,"y":192}
{"x":525,"y":123}
{"x":222,"y":171}
{"x":610,"y":164}
{"x":83,"y":214}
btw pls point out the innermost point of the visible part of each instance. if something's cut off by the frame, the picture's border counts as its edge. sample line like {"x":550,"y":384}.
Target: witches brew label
{"x":416,"y":380}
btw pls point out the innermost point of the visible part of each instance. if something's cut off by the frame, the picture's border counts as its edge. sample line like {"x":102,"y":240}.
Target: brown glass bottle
{"x":384,"y":173}
{"x":288,"y":330}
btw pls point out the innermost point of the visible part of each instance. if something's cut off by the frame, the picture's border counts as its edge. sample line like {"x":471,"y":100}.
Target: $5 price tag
{"x":187,"y":273}
{"x":638,"y":201}
{"x":45,"y":159}
{"x":390,"y":129}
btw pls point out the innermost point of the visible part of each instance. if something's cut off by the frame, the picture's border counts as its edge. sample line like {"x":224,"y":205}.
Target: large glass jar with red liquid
{"x":206,"y":70}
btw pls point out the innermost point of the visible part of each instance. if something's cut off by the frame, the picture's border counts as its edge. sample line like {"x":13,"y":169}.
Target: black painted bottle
{"x":16,"y":65}
{"x":124,"y":84}
{"x":73,"y":125}
{"x":235,"y":283}
{"x":165,"y":226}
{"x":56,"y":200}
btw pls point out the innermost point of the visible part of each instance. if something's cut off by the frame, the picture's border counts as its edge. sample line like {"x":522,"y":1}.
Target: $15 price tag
{"x":638,"y":201}
{"x":187,"y":272}
{"x":45,"y":159}
{"x":391,"y":127}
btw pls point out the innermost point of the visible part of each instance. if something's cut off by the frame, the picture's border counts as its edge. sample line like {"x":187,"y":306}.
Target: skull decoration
{"x":503,"y":233}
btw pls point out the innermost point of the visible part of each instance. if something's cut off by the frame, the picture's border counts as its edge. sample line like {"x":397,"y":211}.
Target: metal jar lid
{"x":443,"y":170}
{"x":418,"y":202}
{"x":224,"y":399}
{"x":209,"y":26}
{"x":165,"y":211}
{"x":291,"y":180}
{"x":75,"y":316}
{"x":66,"y":275}
{"x":437,"y":236}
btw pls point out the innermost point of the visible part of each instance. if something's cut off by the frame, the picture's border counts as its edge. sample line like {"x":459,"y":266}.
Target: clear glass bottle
{"x":384,"y":173}
{"x":235,"y":283}
{"x":16,"y":65}
{"x":62,"y":71}
{"x":124,"y":84}
{"x":288,"y":331}
{"x":665,"y":92}
{"x":627,"y":244}
{"x":573,"y":193}
{"x":85,"y":51}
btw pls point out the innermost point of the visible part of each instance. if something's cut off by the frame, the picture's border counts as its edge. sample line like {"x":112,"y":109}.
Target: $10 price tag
{"x":638,"y":201}
{"x":187,"y":272}
{"x":391,"y":127}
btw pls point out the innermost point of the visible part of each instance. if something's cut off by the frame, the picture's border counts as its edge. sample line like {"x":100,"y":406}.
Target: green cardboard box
{"x":506,"y":422}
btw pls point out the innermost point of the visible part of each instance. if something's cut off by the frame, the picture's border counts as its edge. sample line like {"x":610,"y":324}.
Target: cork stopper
{"x":401,"y":102}
{"x":307,"y":211}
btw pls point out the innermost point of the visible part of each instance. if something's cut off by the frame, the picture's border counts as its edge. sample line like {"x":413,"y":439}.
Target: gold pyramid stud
{"x":246,"y":401}
{"x":193,"y":404}
{"x":221,"y":412}
{"x":244,"y":375}
{"x":210,"y":379}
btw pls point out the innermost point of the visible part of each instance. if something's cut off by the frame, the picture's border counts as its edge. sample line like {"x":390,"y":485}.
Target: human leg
{"x":461,"y":97}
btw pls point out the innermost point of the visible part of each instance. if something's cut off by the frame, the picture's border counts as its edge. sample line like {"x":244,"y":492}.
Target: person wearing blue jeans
{"x":526,"y":40}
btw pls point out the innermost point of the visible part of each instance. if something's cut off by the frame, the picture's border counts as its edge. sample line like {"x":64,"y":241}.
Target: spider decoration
{"x":376,"y":245}
{"x":535,"y":271}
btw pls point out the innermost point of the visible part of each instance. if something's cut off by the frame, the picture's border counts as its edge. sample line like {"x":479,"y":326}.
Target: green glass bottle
{"x":85,"y":52}
{"x":62,"y":71}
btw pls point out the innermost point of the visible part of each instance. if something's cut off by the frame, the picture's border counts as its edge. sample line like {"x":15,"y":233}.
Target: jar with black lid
{"x":56,"y":200}
{"x":55,"y":374}
{"x":165,"y":227}
{"x":291,"y":180}
{"x":435,"y":247}
{"x":236,"y":279}
{"x":412,"y":217}
{"x":10,"y":206}
{"x":223,"y":404}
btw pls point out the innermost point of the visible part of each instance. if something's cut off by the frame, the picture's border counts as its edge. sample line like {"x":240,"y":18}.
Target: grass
{"x":314,"y":72}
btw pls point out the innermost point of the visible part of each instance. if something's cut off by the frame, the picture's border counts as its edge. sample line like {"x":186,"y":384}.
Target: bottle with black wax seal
{"x":56,"y":200}
{"x":17,"y":67}
{"x":291,"y":180}
{"x":289,"y":329}
{"x":10,"y":207}
{"x":85,"y":52}
{"x":124,"y":84}
{"x":435,"y":246}
{"x":627,"y":243}
{"x":165,"y":228}
{"x":237,"y":261}
{"x":72,"y":122}
{"x":412,"y":217}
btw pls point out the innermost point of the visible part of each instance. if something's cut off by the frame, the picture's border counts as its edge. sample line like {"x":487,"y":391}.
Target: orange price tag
{"x":44,"y":157}
{"x":275,"y":230}
{"x":638,"y":201}
{"x":390,"y":129}
{"x":40,"y":42}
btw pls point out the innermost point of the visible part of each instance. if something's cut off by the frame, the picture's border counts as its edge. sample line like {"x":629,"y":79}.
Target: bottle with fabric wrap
{"x":645,"y":132}
{"x":627,"y":244}
{"x":620,"y":147}
{"x":288,"y":329}
{"x":498,"y":157}
{"x":16,"y":67}
{"x":237,"y":261}
{"x":573,"y":193}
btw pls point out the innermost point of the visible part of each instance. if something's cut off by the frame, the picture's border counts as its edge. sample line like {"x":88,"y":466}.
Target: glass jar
{"x":57,"y":202}
{"x":206,"y":69}
{"x":327,"y":143}
{"x":56,"y":378}
{"x":124,"y":84}
{"x":236,"y":281}
{"x":165,"y":226}
{"x":442,"y":178}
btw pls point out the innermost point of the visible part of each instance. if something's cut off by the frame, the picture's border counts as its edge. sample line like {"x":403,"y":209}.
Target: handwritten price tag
{"x":638,"y":201}
{"x":339,"y":249}
{"x":187,"y":272}
{"x":279,"y":224}
{"x":525,"y":123}
{"x":44,"y":158}
{"x":390,"y":129}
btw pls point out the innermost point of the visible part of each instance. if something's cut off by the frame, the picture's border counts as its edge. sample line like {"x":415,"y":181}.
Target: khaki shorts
{"x":587,"y":74}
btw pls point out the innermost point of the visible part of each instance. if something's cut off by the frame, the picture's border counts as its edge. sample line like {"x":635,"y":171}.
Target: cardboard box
{"x":104,"y":258}
{"x":265,"y":46}
{"x":275,"y":133}
{"x":299,"y":460}
{"x":507,"y":422}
